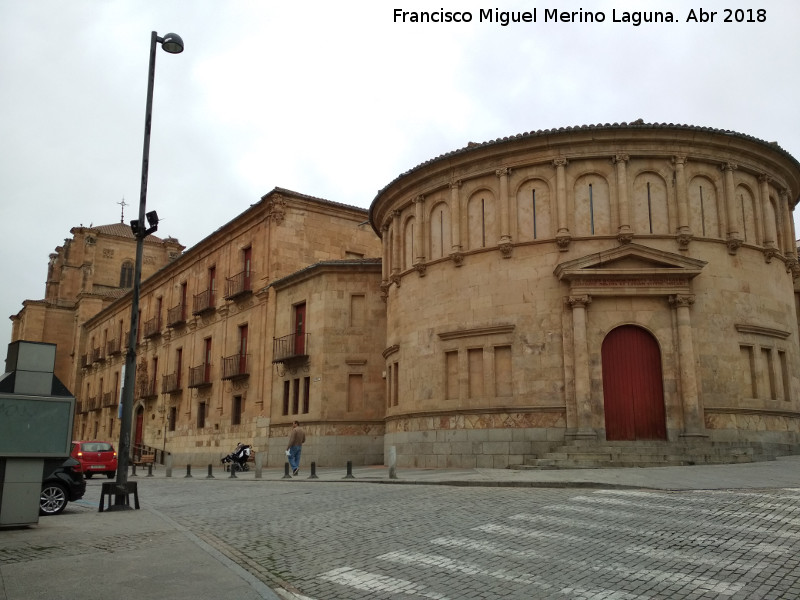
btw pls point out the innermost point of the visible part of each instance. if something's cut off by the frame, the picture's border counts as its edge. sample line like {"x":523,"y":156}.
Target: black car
{"x":62,"y":482}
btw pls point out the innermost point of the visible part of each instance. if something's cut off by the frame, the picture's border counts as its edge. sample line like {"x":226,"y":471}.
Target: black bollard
{"x":210,"y":475}
{"x":150,"y":470}
{"x":188,"y":471}
{"x":133,"y":470}
{"x":286,"y":471}
{"x":233,"y":471}
{"x":313,"y":471}
{"x":349,"y":470}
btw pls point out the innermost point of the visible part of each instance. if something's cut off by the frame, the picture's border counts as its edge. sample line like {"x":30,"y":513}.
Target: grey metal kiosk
{"x":36,"y":415}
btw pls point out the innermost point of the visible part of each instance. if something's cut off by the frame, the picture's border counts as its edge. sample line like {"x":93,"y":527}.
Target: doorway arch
{"x":633,"y":390}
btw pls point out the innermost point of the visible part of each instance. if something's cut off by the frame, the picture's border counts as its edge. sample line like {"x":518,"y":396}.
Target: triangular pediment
{"x":632,"y":266}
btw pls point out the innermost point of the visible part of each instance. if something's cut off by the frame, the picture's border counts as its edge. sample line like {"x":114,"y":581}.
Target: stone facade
{"x":507,"y":265}
{"x":620,"y":282}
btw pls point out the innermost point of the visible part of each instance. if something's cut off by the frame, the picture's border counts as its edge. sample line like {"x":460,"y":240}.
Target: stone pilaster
{"x":505,"y":231}
{"x":733,"y":227}
{"x":684,"y":233}
{"x":583,"y":396}
{"x":693,"y":422}
{"x":455,"y":217}
{"x":563,"y":236}
{"x":624,"y":232}
{"x":419,"y":238}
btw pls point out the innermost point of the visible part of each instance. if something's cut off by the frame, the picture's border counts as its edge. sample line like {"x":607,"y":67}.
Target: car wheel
{"x":110,"y":474}
{"x":53,"y":499}
{"x":88,"y":475}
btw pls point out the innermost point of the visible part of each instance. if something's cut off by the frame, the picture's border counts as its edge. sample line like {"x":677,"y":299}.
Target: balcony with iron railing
{"x":238,"y":285}
{"x":200,"y":376}
{"x":108,"y":399}
{"x":152,"y":328}
{"x":149,"y":390}
{"x":290,"y":347}
{"x":93,"y":403}
{"x":176,"y":316}
{"x":235,"y":367}
{"x":97,"y":355}
{"x":203,"y":302}
{"x":113,"y":347}
{"x":170,"y":383}
{"x":80,"y":407}
{"x":85,"y":362}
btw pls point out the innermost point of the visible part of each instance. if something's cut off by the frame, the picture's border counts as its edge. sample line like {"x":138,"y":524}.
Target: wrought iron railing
{"x":176,"y":316}
{"x":200,"y":376}
{"x":235,"y":367}
{"x":152,"y":328}
{"x":113,"y":347}
{"x":294,"y":345}
{"x":170,"y":383}
{"x":203,"y":302}
{"x":238,"y":285}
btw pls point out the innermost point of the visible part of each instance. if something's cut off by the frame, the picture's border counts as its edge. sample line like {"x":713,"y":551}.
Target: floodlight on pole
{"x":173,"y":44}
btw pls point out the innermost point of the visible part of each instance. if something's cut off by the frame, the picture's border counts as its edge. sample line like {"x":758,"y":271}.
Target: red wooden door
{"x":300,"y":330}
{"x":242,"y":350}
{"x":137,"y":438}
{"x":207,"y":361}
{"x":633,"y":392}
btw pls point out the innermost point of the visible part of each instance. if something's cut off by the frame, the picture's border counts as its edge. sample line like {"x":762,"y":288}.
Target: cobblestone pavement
{"x":346,"y":540}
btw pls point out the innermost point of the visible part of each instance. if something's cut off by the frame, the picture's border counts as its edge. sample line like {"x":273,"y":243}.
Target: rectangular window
{"x":396,"y":384}
{"x":748,"y":371}
{"x":784,"y":366}
{"x":768,"y":373}
{"x":355,"y":392}
{"x":358,"y":304}
{"x":201,"y":415}
{"x":451,"y":375}
{"x":502,"y":371}
{"x":236,"y":410}
{"x":296,"y":397}
{"x":389,"y":387}
{"x":286,"y":397}
{"x":475,"y":363}
{"x":306,"y":394}
{"x":173,"y":416}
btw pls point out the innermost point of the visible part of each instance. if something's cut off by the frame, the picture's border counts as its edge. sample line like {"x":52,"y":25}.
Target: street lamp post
{"x":173,"y":44}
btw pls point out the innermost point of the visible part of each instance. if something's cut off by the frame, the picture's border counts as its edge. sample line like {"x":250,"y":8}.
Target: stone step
{"x":587,"y":454}
{"x":628,"y":462}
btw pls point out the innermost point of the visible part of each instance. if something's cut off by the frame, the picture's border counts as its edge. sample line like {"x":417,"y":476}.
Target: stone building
{"x":631,"y":286}
{"x":89,"y":272}
{"x":626,"y":283}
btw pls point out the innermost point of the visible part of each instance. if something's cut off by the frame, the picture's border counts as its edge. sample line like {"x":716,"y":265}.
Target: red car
{"x":95,"y":457}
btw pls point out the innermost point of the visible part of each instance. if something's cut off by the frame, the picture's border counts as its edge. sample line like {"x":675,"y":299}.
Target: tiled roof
{"x":638,"y":124}
{"x":121,"y":230}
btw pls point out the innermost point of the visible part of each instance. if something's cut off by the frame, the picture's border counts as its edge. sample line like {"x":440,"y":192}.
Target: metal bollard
{"x":150,"y":470}
{"x":188,"y":471}
{"x":232,"y":469}
{"x":286,"y":474}
{"x":133,"y":470}
{"x":210,"y":474}
{"x":349,"y":470}
{"x":313,"y":471}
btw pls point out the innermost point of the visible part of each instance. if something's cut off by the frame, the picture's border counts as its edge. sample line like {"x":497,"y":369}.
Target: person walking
{"x":296,"y":440}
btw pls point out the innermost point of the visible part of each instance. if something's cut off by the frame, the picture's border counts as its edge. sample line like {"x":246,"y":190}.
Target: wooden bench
{"x":144,"y":459}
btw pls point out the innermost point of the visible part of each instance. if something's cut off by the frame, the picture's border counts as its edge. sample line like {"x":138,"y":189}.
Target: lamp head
{"x":172,"y":43}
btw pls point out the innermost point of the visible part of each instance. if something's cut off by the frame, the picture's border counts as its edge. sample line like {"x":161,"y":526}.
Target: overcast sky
{"x":334,"y":100}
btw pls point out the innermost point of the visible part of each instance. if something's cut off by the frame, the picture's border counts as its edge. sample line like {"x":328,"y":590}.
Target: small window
{"x":236,"y":410}
{"x":126,"y":275}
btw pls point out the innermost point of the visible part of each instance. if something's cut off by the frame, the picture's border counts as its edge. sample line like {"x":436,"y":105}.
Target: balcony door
{"x":300,"y":329}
